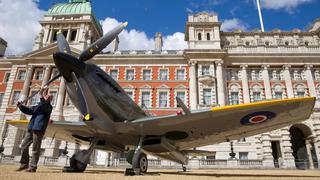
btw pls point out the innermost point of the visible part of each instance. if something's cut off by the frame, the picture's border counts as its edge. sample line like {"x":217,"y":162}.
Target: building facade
{"x":217,"y":69}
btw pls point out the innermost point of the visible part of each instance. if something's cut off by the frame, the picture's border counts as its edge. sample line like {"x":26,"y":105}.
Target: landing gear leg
{"x":80,"y":160}
{"x":184,"y":169}
{"x":139,"y":162}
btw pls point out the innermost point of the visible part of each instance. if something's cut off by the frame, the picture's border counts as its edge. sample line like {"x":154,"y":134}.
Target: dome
{"x":73,"y":7}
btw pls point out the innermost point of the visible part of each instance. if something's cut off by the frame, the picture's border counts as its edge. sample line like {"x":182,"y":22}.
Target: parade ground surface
{"x":7,"y":172}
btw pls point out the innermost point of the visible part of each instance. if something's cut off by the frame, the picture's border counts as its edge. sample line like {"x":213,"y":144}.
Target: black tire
{"x":143,"y":163}
{"x":77,"y":166}
{"x":184,"y":169}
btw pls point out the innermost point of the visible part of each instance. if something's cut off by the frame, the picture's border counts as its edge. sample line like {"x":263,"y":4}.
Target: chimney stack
{"x":3,"y":47}
{"x":158,"y":41}
{"x":115,"y":45}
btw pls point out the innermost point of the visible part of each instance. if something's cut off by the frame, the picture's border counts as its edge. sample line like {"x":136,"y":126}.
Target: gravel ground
{"x":7,"y":172}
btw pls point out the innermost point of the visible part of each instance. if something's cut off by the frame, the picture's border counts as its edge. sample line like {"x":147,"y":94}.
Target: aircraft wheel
{"x":184,"y":168}
{"x":77,"y":166}
{"x":143,"y":163}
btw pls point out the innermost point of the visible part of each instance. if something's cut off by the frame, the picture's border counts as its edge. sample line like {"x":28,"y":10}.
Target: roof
{"x":2,"y":41}
{"x":74,"y":7}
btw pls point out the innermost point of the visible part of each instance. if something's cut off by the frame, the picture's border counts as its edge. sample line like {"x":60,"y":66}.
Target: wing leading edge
{"x":222,"y":123}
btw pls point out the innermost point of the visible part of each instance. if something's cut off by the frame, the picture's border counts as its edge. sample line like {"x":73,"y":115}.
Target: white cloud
{"x":232,"y":24}
{"x":19,"y":24}
{"x":138,"y":40}
{"x":288,"y":5}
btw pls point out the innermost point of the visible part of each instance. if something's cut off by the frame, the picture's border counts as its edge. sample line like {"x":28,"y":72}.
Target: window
{"x":205,"y":70}
{"x":232,"y":74}
{"x":65,"y":33}
{"x":21,"y":75}
{"x":317,"y":75}
{"x":182,"y":96}
{"x":163,"y":74}
{"x":278,"y":92}
{"x":1,"y":98}
{"x":38,"y":74}
{"x":54,"y":72}
{"x":234,"y":98}
{"x":146,"y":74}
{"x":6,"y":77}
{"x":199,"y":36}
{"x":130,"y":94}
{"x":35,"y":99}
{"x":54,"y":98}
{"x":207,"y":96}
{"x":15,"y":97}
{"x":163,"y":99}
{"x":73,"y":35}
{"x":213,"y":157}
{"x":208,"y":36}
{"x":54,"y":38}
{"x":300,"y":91}
{"x":243,"y":155}
{"x":256,"y":96}
{"x":275,"y":75}
{"x":145,"y":99}
{"x":114,"y":74}
{"x":130,"y":74}
{"x":255,"y":75}
{"x":180,"y":74}
{"x":297,"y":75}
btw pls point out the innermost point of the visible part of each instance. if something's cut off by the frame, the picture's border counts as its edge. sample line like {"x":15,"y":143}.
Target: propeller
{"x":101,"y":43}
{"x":87,"y":54}
{"x":82,"y":102}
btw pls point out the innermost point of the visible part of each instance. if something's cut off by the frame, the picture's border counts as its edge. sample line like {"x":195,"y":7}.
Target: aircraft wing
{"x":61,"y":130}
{"x":219,"y":124}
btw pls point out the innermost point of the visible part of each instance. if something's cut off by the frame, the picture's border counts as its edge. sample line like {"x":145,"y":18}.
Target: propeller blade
{"x":63,"y":45}
{"x":45,"y":86}
{"x":101,"y":43}
{"x":82,"y":103}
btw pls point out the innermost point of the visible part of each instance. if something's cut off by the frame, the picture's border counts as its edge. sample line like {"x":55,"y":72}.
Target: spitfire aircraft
{"x":112,"y":121}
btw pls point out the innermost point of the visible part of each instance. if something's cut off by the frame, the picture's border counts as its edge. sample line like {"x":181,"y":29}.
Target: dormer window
{"x":54,"y":39}
{"x":306,"y":43}
{"x":267,"y":43}
{"x":208,"y":36}
{"x":199,"y":36}
{"x":247,"y":43}
{"x":287,"y":43}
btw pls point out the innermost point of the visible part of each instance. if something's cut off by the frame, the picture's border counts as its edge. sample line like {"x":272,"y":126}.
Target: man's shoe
{"x":32,"y":170}
{"x":22,"y":167}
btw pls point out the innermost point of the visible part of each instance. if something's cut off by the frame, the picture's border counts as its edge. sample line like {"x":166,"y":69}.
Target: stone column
{"x":287,"y":78}
{"x":288,"y":159}
{"x":310,"y":81}
{"x":193,"y":85}
{"x":266,"y":81}
{"x":267,"y":160}
{"x":26,"y":84}
{"x":220,"y":83}
{"x":308,"y":148}
{"x":245,"y":86}
{"x":46,"y":75}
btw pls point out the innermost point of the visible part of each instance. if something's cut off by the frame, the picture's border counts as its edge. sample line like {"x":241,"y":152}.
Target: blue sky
{"x":19,"y":19}
{"x":169,"y":16}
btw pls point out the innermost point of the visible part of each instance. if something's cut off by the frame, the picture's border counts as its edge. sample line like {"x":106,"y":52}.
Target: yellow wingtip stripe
{"x":17,"y":121}
{"x":87,"y":117}
{"x":231,"y":107}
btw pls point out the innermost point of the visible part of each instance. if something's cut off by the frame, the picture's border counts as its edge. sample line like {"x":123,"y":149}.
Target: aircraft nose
{"x":67,"y":64}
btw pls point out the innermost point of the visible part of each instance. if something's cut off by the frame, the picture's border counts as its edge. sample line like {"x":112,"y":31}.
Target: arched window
{"x":256,"y":93}
{"x":234,"y":94}
{"x":208,"y":36}
{"x":300,"y":90}
{"x":278,"y":92}
{"x":199,"y":36}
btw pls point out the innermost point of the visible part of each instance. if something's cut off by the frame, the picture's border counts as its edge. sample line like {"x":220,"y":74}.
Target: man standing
{"x":36,"y":129}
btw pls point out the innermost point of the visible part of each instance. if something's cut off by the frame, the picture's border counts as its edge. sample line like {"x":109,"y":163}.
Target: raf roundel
{"x":257,"y":117}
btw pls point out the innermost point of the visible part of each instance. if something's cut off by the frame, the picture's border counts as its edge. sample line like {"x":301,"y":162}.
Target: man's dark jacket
{"x":40,"y":115}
